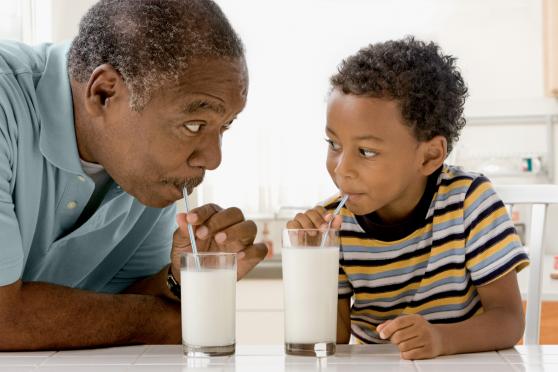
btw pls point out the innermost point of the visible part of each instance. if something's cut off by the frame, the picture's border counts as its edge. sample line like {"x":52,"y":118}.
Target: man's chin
{"x":154,"y":202}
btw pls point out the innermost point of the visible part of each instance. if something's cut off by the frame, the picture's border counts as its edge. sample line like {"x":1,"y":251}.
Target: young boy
{"x":428,"y":251}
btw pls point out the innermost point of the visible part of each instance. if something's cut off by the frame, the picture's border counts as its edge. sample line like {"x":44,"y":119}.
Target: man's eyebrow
{"x":202,"y":105}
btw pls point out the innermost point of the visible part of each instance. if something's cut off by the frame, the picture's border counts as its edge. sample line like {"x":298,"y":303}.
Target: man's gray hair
{"x":150,"y":42}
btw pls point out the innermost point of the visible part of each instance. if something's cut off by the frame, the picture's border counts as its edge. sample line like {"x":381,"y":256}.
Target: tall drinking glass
{"x":208,"y":282}
{"x":310,"y":273}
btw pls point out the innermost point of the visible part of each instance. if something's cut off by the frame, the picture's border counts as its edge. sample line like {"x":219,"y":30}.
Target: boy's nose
{"x":344,"y":167}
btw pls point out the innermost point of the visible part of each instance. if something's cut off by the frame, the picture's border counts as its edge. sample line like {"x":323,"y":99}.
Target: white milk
{"x":310,"y":282}
{"x":208,"y":307}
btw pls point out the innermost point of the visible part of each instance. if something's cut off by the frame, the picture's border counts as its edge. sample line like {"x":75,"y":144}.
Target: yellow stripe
{"x":370,"y":270}
{"x":373,"y":243}
{"x":487,"y":221}
{"x":444,"y":301}
{"x":485,"y":255}
{"x":448,"y":216}
{"x":374,"y":296}
{"x":448,"y":246}
{"x":481,"y":189}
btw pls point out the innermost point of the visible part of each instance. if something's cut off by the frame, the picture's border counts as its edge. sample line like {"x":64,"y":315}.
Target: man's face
{"x":151,"y":154}
{"x":372,"y":156}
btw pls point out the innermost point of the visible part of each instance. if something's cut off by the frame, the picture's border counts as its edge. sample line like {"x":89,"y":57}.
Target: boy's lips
{"x":354,"y":196}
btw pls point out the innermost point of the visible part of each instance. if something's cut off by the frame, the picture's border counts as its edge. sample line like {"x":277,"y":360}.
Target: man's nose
{"x":207,"y":154}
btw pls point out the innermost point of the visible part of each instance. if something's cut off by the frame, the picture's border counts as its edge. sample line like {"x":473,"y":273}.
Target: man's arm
{"x":39,"y":316}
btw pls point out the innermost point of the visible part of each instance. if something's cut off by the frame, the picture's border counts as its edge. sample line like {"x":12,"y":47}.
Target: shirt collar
{"x":57,"y":140}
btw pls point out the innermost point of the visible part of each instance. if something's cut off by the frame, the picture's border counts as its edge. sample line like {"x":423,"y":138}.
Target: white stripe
{"x":479,"y":274}
{"x":453,"y":313}
{"x":493,"y":231}
{"x":480,"y":208}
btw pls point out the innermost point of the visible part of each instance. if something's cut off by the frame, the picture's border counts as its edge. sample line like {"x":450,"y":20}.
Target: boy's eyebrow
{"x":368,"y":137}
{"x":360,"y":138}
{"x":203,"y":105}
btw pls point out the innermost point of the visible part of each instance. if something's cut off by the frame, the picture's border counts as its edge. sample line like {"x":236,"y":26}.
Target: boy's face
{"x":373,"y":157}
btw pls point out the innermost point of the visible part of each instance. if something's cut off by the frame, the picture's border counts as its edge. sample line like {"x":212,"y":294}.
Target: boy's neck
{"x":401,"y":209}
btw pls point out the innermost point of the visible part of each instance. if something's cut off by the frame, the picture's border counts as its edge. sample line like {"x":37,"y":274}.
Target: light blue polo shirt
{"x":43,"y":189}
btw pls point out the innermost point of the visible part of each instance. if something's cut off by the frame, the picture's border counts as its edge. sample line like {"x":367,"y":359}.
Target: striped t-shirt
{"x":458,"y":237}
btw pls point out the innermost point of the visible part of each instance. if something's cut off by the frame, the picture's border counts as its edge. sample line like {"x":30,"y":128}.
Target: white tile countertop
{"x":349,"y":358}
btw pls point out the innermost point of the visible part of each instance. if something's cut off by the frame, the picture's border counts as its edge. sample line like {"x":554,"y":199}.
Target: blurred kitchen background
{"x":274,"y":157}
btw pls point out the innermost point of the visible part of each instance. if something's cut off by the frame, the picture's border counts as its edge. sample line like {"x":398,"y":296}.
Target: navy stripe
{"x":449,"y":208}
{"x":497,"y":205}
{"x":449,"y":181}
{"x":502,"y":269}
{"x":386,"y":261}
{"x":417,"y":278}
{"x":449,"y":238}
{"x":475,"y":185}
{"x":417,"y":303}
{"x":458,"y":319}
{"x":490,"y":242}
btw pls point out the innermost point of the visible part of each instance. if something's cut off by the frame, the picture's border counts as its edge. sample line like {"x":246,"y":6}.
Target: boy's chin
{"x":359,"y":209}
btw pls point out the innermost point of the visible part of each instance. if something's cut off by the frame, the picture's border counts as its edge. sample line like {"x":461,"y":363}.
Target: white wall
{"x":293,"y":46}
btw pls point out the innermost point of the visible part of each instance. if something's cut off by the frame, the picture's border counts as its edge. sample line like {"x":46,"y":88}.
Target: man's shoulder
{"x":19,"y":58}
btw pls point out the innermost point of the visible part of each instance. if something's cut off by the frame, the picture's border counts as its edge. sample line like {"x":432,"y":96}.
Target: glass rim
{"x":314,"y":229}
{"x":207,"y":254}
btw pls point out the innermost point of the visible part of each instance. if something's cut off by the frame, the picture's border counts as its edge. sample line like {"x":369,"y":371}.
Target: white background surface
{"x":353,"y":358}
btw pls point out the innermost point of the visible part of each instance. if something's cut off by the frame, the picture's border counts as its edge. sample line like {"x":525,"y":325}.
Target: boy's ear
{"x":434,"y":153}
{"x":101,"y":86}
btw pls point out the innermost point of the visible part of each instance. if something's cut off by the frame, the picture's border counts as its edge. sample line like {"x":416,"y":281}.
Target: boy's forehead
{"x":362,"y":118}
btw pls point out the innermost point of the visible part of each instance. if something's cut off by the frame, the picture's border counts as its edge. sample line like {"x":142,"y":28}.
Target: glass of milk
{"x":310,"y":274}
{"x":208,"y":293}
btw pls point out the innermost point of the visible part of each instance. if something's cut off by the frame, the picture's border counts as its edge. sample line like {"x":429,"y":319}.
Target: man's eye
{"x":193,"y":127}
{"x":367,"y":153}
{"x":332,"y":145}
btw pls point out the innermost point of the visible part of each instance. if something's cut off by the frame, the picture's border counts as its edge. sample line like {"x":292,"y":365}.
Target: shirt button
{"x":71,"y":205}
{"x":81,"y":178}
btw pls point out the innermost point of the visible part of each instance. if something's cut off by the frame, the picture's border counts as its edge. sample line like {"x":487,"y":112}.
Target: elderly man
{"x":96,"y":143}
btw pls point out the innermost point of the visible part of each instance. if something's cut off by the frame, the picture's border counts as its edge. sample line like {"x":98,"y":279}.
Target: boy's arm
{"x":343,"y":320}
{"x":500,"y":326}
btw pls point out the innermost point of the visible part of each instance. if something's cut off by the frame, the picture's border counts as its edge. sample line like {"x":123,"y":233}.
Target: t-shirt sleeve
{"x":11,"y":248}
{"x":493,"y":247}
{"x":151,"y":256}
{"x":344,"y":288}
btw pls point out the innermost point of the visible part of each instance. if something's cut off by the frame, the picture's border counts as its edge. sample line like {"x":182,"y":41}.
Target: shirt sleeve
{"x":11,"y":249}
{"x":344,"y":288}
{"x":151,"y":256}
{"x":493,"y":247}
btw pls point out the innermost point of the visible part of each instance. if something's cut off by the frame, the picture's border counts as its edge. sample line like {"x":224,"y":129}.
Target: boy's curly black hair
{"x":427,"y":84}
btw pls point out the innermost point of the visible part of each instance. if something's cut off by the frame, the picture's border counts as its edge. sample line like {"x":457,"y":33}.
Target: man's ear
{"x":103,"y":85}
{"x":434,"y":153}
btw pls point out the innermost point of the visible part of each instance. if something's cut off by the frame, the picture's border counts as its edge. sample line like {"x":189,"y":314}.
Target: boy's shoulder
{"x":455,"y":177}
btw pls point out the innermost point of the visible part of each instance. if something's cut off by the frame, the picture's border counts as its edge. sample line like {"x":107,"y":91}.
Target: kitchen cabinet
{"x":550,"y":43}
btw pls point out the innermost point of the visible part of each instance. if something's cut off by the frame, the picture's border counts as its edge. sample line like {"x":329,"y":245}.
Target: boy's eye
{"x":193,"y":127}
{"x":332,"y":145}
{"x":367,"y":153}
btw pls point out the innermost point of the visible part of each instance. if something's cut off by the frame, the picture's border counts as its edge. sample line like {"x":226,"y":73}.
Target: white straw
{"x":191,"y":230}
{"x":335,"y":213}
